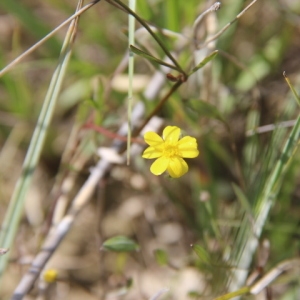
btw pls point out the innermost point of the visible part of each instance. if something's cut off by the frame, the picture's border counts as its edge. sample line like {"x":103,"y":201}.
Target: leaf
{"x":148,"y":56}
{"x":120,"y":244}
{"x":204,"y":61}
{"x":161,"y":257}
{"x":194,"y":295}
{"x":205,"y":109}
{"x":201,"y":253}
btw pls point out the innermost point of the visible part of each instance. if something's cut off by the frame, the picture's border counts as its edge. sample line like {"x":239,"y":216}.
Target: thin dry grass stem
{"x":203,"y":28}
{"x":216,"y":6}
{"x":66,"y":187}
{"x":270,"y":127}
{"x":218,"y":34}
{"x":273,"y":274}
{"x":44,"y":39}
{"x":263,"y":255}
{"x":72,"y":162}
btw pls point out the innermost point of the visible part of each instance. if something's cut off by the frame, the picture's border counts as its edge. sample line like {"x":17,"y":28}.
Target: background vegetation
{"x":233,"y":216}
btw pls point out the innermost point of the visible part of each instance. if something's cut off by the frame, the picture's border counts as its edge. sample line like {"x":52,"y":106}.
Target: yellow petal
{"x":187,"y":147}
{"x":151,"y":152}
{"x":159,"y":166}
{"x":153,"y":139}
{"x":177,"y":167}
{"x":171,"y":134}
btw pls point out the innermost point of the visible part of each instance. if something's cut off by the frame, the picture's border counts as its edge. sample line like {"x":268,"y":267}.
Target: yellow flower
{"x":50,"y":275}
{"x":169,"y":151}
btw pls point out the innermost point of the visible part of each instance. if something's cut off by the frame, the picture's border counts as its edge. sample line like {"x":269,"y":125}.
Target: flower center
{"x":170,"y":151}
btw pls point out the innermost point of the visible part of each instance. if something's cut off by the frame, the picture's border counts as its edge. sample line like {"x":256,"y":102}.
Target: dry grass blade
{"x":228,"y":25}
{"x":273,"y":274}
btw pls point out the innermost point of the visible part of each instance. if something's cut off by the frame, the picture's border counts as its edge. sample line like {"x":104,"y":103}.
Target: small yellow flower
{"x":50,"y":275}
{"x":169,"y":151}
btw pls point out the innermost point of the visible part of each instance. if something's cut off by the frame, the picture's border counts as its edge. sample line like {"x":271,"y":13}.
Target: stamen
{"x":170,"y":151}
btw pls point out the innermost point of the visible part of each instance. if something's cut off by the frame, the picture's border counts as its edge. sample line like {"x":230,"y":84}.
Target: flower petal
{"x":187,"y":147}
{"x":151,"y":152}
{"x":171,"y":134}
{"x":177,"y":167}
{"x":160,"y":165}
{"x":153,"y":139}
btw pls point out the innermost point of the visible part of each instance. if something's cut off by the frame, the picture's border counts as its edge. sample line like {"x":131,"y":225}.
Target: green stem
{"x":161,"y":44}
{"x":131,"y":26}
{"x":242,"y":291}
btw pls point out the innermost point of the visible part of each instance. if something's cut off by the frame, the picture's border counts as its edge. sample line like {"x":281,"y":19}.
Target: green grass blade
{"x":242,"y":291}
{"x":15,"y":209}
{"x":131,"y":27}
{"x":146,"y":55}
{"x":249,"y":235}
{"x":206,"y":60}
